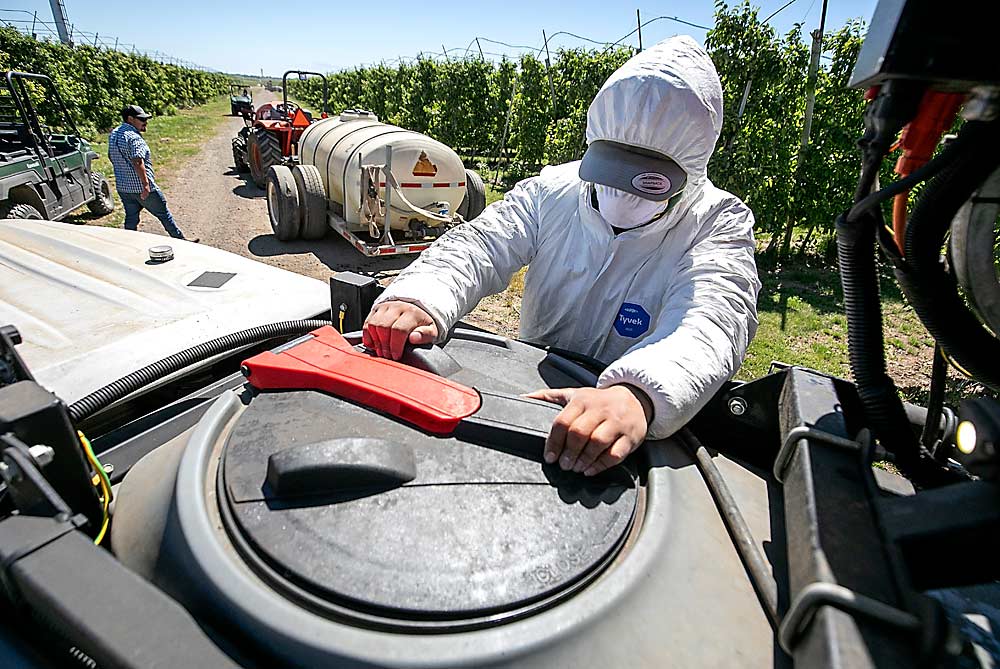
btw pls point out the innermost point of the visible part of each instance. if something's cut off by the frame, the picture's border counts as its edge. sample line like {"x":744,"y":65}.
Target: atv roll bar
{"x":31,"y":119}
{"x":302,"y":75}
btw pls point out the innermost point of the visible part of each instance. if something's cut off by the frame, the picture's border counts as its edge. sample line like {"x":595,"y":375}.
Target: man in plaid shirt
{"x":134,"y":180}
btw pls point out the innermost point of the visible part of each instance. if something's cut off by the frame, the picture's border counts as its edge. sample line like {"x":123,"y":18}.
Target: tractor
{"x":272,"y":133}
{"x":44,"y":174}
{"x":240,"y":100}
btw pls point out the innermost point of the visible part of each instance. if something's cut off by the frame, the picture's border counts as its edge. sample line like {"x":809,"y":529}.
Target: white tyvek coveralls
{"x":692,"y":271}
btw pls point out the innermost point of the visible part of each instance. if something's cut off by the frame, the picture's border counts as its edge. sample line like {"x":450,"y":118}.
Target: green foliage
{"x":95,"y":83}
{"x":757,"y":158}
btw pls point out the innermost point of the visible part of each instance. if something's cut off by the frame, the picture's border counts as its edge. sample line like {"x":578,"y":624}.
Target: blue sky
{"x":249,"y":35}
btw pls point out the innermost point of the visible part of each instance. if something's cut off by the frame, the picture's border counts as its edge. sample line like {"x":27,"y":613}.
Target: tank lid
{"x":357,"y":115}
{"x":364,"y":516}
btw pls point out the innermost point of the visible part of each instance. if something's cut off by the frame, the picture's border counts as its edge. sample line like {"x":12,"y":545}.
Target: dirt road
{"x":210,"y":200}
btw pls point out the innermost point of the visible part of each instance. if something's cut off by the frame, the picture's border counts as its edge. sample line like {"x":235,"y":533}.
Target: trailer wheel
{"x":312,"y":201}
{"x":474,"y":201}
{"x":21,"y":211}
{"x":283,"y":203}
{"x":263,"y":151}
{"x":102,"y":204}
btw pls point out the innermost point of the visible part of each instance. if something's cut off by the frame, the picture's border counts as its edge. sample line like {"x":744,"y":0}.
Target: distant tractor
{"x":385,"y":189}
{"x":44,"y":173}
{"x":272,"y":133}
{"x":240,"y":100}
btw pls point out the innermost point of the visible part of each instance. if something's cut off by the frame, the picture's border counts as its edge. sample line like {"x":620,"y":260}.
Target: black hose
{"x":750,"y":552}
{"x":929,"y":437}
{"x":111,"y":393}
{"x":928,"y":286}
{"x":859,"y":278}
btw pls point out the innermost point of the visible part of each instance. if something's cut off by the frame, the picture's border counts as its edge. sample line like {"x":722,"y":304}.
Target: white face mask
{"x":624,"y":210}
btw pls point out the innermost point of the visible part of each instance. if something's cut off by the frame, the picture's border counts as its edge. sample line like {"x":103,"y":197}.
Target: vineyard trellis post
{"x":817,"y":50}
{"x":638,"y":21}
{"x":501,"y":151}
{"x":548,"y":73}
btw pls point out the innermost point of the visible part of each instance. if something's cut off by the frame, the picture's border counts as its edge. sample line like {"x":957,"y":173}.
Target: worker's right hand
{"x":391,"y":324}
{"x":145,"y":193}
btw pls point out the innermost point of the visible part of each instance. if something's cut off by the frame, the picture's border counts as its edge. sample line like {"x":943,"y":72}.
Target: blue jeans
{"x":155,"y":204}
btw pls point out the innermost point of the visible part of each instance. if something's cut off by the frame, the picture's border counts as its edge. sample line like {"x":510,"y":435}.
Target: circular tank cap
{"x":161,"y":253}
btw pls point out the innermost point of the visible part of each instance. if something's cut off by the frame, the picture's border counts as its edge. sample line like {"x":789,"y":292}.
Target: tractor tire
{"x":263,"y":151}
{"x":20,"y":211}
{"x":283,"y":203}
{"x":312,"y":201}
{"x":103,"y":203}
{"x":474,"y":201}
{"x":240,"y":154}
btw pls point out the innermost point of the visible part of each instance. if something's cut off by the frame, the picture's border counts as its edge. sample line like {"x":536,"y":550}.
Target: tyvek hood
{"x":666,"y":99}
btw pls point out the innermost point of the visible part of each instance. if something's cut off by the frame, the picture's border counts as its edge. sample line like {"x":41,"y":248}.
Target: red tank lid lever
{"x":329,"y":363}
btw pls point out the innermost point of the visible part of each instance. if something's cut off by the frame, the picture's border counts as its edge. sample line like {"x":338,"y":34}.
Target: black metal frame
{"x":29,"y":116}
{"x":862,"y":550}
{"x":284,"y":89}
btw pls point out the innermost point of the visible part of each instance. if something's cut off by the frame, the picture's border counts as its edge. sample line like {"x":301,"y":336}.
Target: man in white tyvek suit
{"x":633,"y":257}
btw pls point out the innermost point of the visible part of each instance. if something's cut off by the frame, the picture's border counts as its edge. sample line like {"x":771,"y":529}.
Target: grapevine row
{"x":97,"y":83}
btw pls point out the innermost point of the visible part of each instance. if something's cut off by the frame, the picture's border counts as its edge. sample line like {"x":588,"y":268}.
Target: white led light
{"x":965,"y":437}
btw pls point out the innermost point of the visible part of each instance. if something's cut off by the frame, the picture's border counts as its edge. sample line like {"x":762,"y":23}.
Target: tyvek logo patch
{"x":653,"y":183}
{"x":632,"y":320}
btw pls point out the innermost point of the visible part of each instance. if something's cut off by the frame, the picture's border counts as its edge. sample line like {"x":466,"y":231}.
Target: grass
{"x":173,"y":140}
{"x":800,"y":310}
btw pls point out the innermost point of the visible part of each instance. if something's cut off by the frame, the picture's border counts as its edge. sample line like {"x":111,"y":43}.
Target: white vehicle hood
{"x":91,"y":308}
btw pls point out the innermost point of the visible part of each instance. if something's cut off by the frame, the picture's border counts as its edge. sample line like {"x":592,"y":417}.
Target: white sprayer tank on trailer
{"x":431,"y":176}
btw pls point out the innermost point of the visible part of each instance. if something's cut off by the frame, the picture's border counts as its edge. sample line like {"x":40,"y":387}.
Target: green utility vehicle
{"x":44,"y":173}
{"x":240,"y":100}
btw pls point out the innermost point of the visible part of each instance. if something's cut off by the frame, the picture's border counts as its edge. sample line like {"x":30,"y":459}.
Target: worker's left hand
{"x":597,"y":428}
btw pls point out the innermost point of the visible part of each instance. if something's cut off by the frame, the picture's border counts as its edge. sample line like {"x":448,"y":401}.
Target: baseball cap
{"x":641,"y":172}
{"x":135,"y":111}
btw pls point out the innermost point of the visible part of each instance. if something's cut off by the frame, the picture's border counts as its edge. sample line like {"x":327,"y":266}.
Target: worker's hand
{"x":597,"y":428}
{"x":391,"y":324}
{"x":145,"y":192}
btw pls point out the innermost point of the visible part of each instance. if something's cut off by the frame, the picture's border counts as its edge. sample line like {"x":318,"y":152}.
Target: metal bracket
{"x":12,"y":367}
{"x":797,"y":434}
{"x":31,"y":492}
{"x":816,"y":595}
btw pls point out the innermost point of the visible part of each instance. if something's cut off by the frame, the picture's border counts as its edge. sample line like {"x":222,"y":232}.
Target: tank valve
{"x":162,"y":253}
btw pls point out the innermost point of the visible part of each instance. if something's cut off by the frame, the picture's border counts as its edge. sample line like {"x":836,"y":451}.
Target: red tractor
{"x":272,"y":133}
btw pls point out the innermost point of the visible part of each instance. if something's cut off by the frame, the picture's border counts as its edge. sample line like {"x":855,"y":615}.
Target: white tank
{"x":428,"y":172}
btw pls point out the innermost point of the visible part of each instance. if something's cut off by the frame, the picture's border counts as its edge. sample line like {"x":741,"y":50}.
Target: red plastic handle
{"x":328,"y":362}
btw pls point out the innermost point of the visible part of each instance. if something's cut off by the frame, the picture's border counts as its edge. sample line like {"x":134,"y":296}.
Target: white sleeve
{"x":472,"y":260}
{"x":702,"y":334}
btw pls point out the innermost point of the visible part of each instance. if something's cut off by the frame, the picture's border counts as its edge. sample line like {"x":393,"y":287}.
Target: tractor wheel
{"x":312,"y":201}
{"x":102,"y":204}
{"x":240,"y":154}
{"x":475,"y":196}
{"x":21,"y":211}
{"x":283,"y":203}
{"x":263,"y":151}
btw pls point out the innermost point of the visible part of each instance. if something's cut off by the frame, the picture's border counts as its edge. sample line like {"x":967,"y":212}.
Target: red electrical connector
{"x":918,"y":140}
{"x":936,"y":113}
